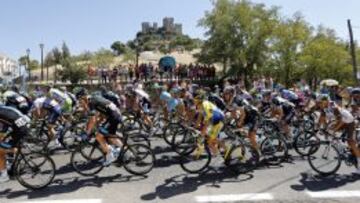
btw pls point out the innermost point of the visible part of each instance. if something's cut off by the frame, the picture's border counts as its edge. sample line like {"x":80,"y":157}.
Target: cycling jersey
{"x":11,"y":117}
{"x":287,"y":108}
{"x":290,"y":96}
{"x":108,"y":109}
{"x":171,"y":102}
{"x":333,"y":109}
{"x":212,"y":112}
{"x":213,"y":115}
{"x":63,"y":99}
{"x":114,"y":98}
{"x":251,"y":112}
{"x":51,"y":106}
{"x":218,"y":101}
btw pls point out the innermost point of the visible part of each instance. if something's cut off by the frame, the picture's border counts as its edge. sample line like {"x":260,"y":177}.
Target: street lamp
{"x":136,"y":43}
{"x":28,"y":62}
{"x":42,"y":61}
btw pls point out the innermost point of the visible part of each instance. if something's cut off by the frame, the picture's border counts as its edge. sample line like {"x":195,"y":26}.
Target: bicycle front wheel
{"x":87,"y":159}
{"x":138,"y":159}
{"x":326,"y":159}
{"x":274,"y":150}
{"x":35,"y":170}
{"x":196,"y":161}
{"x":303,"y":142}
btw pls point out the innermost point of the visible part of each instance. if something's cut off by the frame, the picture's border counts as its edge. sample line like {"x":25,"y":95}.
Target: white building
{"x":9,"y":68}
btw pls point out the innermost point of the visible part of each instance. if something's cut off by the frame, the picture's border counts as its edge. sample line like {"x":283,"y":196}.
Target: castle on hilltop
{"x":168,"y":27}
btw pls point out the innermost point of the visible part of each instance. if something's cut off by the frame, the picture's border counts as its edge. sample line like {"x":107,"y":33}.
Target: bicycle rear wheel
{"x":303,"y":142}
{"x":138,"y":159}
{"x":197,"y":160}
{"x":172,"y":131}
{"x":35,"y":170}
{"x":274,"y":149}
{"x":326,"y":159}
{"x":87,"y":159}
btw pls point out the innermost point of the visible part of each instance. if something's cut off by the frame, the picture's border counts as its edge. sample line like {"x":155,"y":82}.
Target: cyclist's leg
{"x":2,"y":160}
{"x":112,"y":128}
{"x":252,"y":133}
{"x":350,"y":129}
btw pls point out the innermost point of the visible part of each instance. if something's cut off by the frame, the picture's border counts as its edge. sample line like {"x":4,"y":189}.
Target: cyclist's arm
{"x":92,"y":122}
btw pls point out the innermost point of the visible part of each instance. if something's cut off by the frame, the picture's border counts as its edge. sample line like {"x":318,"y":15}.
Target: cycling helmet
{"x":323,"y":97}
{"x":200,"y":94}
{"x":239,"y":101}
{"x":355,"y":90}
{"x":266,"y":92}
{"x":229,"y":90}
{"x":15,"y":88}
{"x":79,"y":92}
{"x":276,"y":101}
{"x":175,"y":90}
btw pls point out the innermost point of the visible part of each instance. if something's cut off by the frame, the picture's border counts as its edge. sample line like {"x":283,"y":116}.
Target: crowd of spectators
{"x":146,"y":71}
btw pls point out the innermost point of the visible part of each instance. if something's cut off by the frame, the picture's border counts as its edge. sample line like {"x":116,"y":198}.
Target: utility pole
{"x":352,"y":51}
{"x":42,"y":61}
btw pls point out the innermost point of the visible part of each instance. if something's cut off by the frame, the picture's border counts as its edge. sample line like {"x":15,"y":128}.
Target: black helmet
{"x":239,"y":101}
{"x":355,"y":90}
{"x":79,"y":92}
{"x":276,"y":101}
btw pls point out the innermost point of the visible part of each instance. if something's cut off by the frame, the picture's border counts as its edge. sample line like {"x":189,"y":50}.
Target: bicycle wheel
{"x":35,"y":170}
{"x":136,"y":138}
{"x":138,"y":159}
{"x":274,"y":150}
{"x":70,"y":139}
{"x":184,"y":143}
{"x":196,"y":161}
{"x":171,"y":131}
{"x":241,"y":158}
{"x":326,"y":159}
{"x":87,"y":159}
{"x":303,"y":142}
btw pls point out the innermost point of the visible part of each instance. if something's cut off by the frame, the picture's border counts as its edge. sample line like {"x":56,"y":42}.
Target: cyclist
{"x":13,"y":118}
{"x":344,"y":121}
{"x":63,"y":99}
{"x":43,"y":107}
{"x":248,"y":117}
{"x":104,"y":113}
{"x":209,"y":116}
{"x":283,"y":111}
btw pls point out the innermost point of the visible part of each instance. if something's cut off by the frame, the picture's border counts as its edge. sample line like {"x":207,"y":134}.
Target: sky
{"x":92,"y":24}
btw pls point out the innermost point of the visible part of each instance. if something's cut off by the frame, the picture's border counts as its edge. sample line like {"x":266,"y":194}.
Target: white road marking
{"x":334,"y":194}
{"x":235,"y":197}
{"x":64,"y":201}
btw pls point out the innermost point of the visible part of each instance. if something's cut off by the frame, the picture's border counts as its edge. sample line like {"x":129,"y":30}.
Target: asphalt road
{"x":289,"y":182}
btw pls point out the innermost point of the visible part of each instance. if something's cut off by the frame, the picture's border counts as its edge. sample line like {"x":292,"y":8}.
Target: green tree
{"x":325,"y":56}
{"x":238,"y":32}
{"x":103,"y":58}
{"x":290,"y":37}
{"x":118,"y":48}
{"x":72,"y":71}
{"x":65,"y":51}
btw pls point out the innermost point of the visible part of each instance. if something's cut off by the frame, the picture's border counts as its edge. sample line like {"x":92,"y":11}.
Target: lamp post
{"x":136,"y":43}
{"x":28,"y":62}
{"x":42,"y":61}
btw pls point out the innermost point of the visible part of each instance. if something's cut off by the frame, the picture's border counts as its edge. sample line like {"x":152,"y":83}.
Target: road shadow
{"x":186,"y":183}
{"x":316,"y":183}
{"x":68,"y":185}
